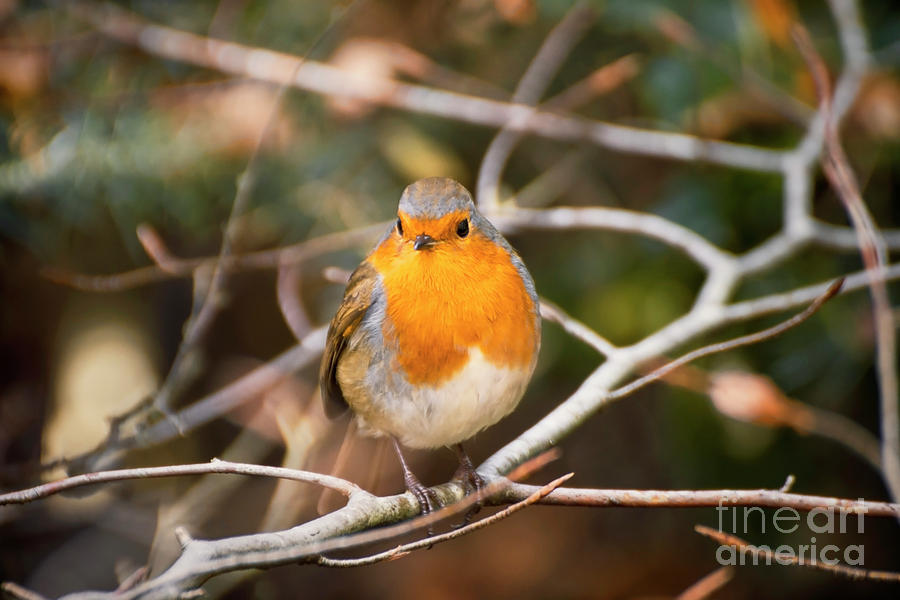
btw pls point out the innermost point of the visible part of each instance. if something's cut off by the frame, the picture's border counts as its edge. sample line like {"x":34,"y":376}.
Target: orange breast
{"x":444,"y":300}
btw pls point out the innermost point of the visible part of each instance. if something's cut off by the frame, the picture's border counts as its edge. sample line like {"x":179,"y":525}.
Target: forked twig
{"x":738,"y":342}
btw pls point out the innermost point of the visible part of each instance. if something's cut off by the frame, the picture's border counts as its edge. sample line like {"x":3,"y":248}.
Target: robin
{"x":438,"y":332}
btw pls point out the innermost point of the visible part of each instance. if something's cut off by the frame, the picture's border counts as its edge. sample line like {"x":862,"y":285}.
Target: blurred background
{"x":98,"y":137}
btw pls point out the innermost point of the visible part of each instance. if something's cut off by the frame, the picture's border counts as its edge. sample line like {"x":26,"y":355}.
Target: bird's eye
{"x":399,"y":227}
{"x":462,"y":229}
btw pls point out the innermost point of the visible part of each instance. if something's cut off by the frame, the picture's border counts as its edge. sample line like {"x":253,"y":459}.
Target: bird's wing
{"x":357,"y":299}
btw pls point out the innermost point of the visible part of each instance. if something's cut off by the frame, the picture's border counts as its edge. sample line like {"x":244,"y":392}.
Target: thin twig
{"x":184,"y":267}
{"x":700,"y":499}
{"x":874,"y":255}
{"x":208,"y":303}
{"x":20,"y":593}
{"x":773,"y":303}
{"x":404,"y":549}
{"x":788,"y":484}
{"x":708,"y":585}
{"x":531,"y":87}
{"x":738,"y":342}
{"x":602,"y":81}
{"x":785,"y":558}
{"x":576,"y":328}
{"x":209,"y":407}
{"x":216,"y":466}
{"x":846,"y":432}
{"x":290,"y":303}
{"x":156,"y":248}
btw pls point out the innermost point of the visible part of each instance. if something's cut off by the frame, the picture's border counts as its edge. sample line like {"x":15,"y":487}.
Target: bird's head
{"x":436,"y":212}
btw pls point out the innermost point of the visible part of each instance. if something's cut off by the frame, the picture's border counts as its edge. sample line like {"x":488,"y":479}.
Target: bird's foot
{"x":427,"y":499}
{"x":472,"y":482}
{"x":425,"y":496}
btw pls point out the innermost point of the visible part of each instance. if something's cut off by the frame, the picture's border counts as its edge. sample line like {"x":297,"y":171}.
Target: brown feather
{"x":357,"y":299}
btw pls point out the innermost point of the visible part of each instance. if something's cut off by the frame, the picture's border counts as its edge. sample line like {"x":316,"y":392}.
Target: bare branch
{"x":577,"y":329}
{"x":534,"y":82}
{"x":846,"y":432}
{"x":209,"y":407}
{"x":602,"y":81}
{"x":872,"y":248}
{"x":782,"y":558}
{"x":288,"y":291}
{"x":202,"y":559}
{"x":263,"y":259}
{"x":766,"y":305}
{"x":321,"y":78}
{"x":614,"y":219}
{"x":155,"y":247}
{"x":701,"y":499}
{"x":593,"y":392}
{"x":18,"y":592}
{"x":404,"y":549}
{"x":216,"y":466}
{"x":744,"y":340}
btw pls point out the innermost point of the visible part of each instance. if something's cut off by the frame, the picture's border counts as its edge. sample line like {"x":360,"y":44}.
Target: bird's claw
{"x":472,"y":483}
{"x":425,"y":496}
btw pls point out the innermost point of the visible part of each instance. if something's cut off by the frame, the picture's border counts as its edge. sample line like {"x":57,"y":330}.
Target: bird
{"x":438,"y":332}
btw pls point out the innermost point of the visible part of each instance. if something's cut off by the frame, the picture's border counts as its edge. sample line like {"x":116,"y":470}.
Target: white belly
{"x":429,"y":417}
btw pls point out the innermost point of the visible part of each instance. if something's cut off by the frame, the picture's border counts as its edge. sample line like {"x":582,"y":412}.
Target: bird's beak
{"x":423,"y":241}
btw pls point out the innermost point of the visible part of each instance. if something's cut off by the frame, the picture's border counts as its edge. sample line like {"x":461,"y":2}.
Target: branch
{"x":540,"y":493}
{"x":202,"y":559}
{"x":700,"y":499}
{"x":288,"y":291}
{"x":738,"y":342}
{"x":321,"y":78}
{"x":784,"y":558}
{"x":216,"y":466}
{"x":766,"y":305}
{"x":534,"y":82}
{"x":18,"y":592}
{"x":209,"y":296}
{"x":184,"y":267}
{"x":874,"y":255}
{"x":577,"y":329}
{"x":708,"y":585}
{"x":209,"y":407}
{"x":594,"y":393}
{"x":614,"y":219}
